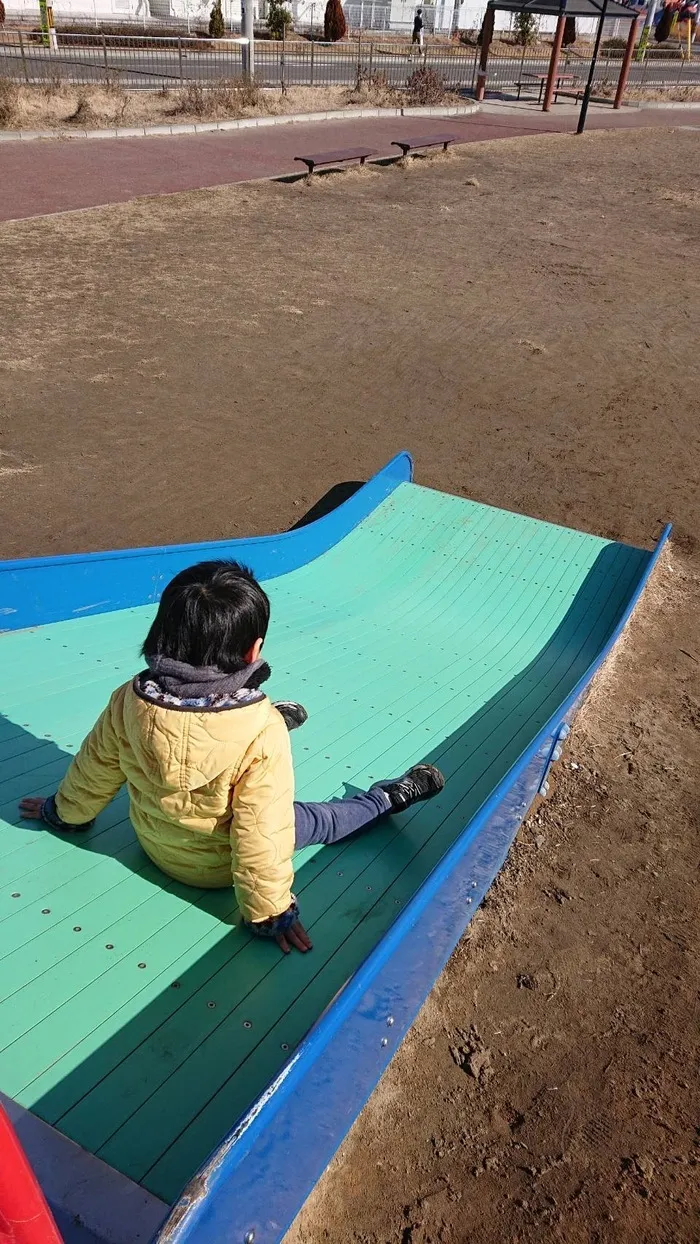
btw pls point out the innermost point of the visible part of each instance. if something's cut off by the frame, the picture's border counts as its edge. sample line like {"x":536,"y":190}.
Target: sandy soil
{"x":517,"y":315}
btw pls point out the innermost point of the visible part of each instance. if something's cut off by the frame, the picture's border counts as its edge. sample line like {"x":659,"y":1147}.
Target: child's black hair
{"x":209,"y":615}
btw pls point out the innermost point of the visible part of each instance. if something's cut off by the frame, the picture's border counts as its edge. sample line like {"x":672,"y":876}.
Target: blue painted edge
{"x":260,"y":1175}
{"x":39,"y":590}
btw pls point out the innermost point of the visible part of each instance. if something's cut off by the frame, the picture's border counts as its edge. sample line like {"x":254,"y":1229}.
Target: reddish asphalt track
{"x":46,"y":176}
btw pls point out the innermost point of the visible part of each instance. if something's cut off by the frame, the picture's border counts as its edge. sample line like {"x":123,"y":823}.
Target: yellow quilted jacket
{"x":212,"y":793}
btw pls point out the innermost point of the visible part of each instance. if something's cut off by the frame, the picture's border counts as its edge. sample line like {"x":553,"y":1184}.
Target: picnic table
{"x":561,"y":80}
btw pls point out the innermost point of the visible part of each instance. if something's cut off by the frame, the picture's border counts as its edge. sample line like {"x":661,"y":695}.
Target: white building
{"x":376,"y":15}
{"x":147,"y":12}
{"x":440,"y":17}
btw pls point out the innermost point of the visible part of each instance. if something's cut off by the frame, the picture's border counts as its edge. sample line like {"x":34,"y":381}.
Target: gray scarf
{"x":192,"y":682}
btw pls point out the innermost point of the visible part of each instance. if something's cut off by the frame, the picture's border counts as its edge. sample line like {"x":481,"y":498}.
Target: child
{"x":207,"y":761}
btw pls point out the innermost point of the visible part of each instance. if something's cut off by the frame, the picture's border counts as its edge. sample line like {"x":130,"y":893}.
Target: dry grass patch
{"x":56,"y":104}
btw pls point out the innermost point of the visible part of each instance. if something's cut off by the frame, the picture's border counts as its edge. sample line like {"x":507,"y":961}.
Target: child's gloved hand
{"x":30,"y":807}
{"x":293,"y":715}
{"x":38,"y":808}
{"x":286,"y":929}
{"x":296,"y":936}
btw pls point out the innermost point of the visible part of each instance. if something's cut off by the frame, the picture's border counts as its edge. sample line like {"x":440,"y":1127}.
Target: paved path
{"x":53,"y":176}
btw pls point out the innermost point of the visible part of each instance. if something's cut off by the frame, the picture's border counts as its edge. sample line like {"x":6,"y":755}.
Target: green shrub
{"x":279,"y":19}
{"x":217,"y":27}
{"x":525,"y":29}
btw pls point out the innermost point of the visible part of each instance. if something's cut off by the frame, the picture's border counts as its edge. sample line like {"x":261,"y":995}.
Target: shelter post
{"x":627,"y":60}
{"x":554,"y":62}
{"x":591,"y":73}
{"x":486,"y":37}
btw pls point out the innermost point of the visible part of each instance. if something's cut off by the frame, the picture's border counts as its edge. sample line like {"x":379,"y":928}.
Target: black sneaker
{"x":293,"y":715}
{"x":420,"y":782}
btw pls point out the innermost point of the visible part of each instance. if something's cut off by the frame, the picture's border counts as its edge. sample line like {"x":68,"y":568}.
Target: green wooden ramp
{"x":136,"y":1016}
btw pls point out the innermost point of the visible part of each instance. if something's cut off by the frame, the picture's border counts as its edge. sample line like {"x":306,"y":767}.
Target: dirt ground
{"x":523,"y":316}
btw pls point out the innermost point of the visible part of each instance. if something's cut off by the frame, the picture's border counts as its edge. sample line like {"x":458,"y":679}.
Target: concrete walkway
{"x":56,"y":176}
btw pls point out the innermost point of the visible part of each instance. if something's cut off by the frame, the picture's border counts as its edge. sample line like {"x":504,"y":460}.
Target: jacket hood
{"x":184,"y":751}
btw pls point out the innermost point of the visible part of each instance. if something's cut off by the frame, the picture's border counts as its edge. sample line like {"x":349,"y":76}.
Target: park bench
{"x":335,"y":157}
{"x":575,"y":94}
{"x":523,"y":84}
{"x":432,"y":140}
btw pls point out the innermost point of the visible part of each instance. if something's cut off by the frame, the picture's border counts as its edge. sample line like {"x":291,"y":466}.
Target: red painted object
{"x":25,"y":1218}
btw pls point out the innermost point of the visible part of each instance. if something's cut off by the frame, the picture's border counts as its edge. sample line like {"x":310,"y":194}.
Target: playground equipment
{"x":138,"y":1019}
{"x":679,"y":17}
{"x":25,"y":1217}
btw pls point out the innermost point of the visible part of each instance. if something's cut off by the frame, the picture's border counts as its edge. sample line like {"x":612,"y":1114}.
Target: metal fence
{"x":398,"y":15}
{"x":361,"y":60}
{"x":140,"y":62}
{"x":523,"y":75}
{"x":143,"y":62}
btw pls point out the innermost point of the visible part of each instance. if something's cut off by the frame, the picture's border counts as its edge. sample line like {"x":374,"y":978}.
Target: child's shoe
{"x":293,"y":715}
{"x":420,"y":782}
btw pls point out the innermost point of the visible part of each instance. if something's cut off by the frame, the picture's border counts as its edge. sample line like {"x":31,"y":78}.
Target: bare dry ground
{"x":641,"y":94}
{"x":65,"y":106}
{"x":523,"y":316}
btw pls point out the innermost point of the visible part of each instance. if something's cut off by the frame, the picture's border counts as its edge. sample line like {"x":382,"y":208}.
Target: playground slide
{"x":137,"y":1017}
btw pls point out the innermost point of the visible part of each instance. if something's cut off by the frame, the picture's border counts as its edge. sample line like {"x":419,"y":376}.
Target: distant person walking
{"x":418,"y":29}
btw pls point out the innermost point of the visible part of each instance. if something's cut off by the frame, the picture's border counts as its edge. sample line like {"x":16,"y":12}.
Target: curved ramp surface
{"x":137,"y":1017}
